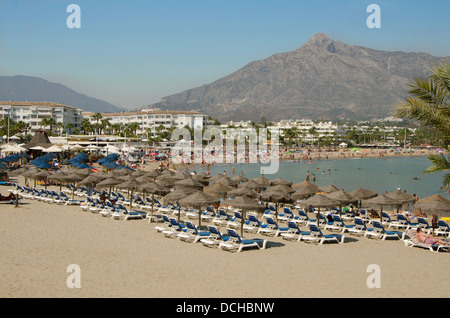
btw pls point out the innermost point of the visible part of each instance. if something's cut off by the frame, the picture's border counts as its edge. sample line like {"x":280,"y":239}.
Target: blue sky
{"x":132,"y":53}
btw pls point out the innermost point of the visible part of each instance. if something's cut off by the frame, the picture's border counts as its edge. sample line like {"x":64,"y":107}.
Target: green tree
{"x":97,"y":117}
{"x":429,"y":103}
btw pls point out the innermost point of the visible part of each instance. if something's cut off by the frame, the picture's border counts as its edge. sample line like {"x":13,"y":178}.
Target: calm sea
{"x":376,"y":174}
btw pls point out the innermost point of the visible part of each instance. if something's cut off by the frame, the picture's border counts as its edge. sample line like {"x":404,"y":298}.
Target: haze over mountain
{"x":323,"y":79}
{"x":34,"y":89}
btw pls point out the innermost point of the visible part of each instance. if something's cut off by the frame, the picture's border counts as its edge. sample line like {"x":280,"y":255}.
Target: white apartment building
{"x":153,"y":119}
{"x":32,"y":113}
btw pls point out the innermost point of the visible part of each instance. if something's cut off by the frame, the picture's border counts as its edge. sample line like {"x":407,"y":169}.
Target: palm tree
{"x":59,"y":125}
{"x":69,"y":127}
{"x":86,"y":126}
{"x":97,"y":117}
{"x":313,"y":132}
{"x":429,"y":103}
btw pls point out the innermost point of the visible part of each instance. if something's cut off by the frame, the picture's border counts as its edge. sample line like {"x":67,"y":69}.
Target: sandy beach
{"x":130,"y":259}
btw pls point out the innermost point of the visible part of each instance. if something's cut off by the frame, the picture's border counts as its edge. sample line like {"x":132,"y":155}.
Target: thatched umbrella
{"x":239,"y":178}
{"x":188,"y":182}
{"x":201,"y":178}
{"x":227,"y":181}
{"x":382,"y":200}
{"x":153,"y":188}
{"x":199,"y":199}
{"x":153,"y":174}
{"x":72,"y":178}
{"x":343,"y":197}
{"x":276,"y":197}
{"x":166,"y":182}
{"x":306,"y":185}
{"x":131,"y":185}
{"x":281,"y":181}
{"x":402,"y":196}
{"x":83,"y":171}
{"x":318,"y":201}
{"x":109,"y":182}
{"x":176,"y":195}
{"x":218,"y":189}
{"x":262,"y":181}
{"x":328,"y":188}
{"x":243,"y":191}
{"x":280,"y":188}
{"x":43,"y":175}
{"x":59,"y":177}
{"x":19,"y":171}
{"x":245,"y":204}
{"x":435,"y":204}
{"x":303,"y":193}
{"x":363,"y":194}
{"x":252,"y":185}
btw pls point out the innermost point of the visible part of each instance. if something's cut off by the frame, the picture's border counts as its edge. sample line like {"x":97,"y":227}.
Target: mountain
{"x":35,"y":89}
{"x":323,"y":79}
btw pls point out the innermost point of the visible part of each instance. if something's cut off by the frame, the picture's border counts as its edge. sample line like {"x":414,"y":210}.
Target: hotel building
{"x":32,"y":113}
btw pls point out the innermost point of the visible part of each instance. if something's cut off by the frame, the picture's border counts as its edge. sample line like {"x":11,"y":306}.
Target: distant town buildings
{"x":151,"y":120}
{"x":32,"y":113}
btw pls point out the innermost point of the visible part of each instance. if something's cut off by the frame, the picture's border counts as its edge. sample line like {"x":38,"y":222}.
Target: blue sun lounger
{"x":215,"y":237}
{"x":318,"y":237}
{"x":379,"y":232}
{"x":294,"y":232}
{"x":236,"y":243}
{"x":192,"y":234}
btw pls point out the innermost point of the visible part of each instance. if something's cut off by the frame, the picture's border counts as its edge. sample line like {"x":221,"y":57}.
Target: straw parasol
{"x":176,"y":195}
{"x":199,"y":198}
{"x":280,"y":188}
{"x":306,"y":185}
{"x":363,"y":194}
{"x":276,"y":197}
{"x":303,"y":193}
{"x":189,"y":182}
{"x":217,"y":189}
{"x":252,"y":185}
{"x":343,"y":198}
{"x":245,"y":204}
{"x":402,"y":196}
{"x":90,"y":180}
{"x":72,"y":178}
{"x":239,"y":178}
{"x":281,"y":181}
{"x":43,"y":175}
{"x":435,"y":204}
{"x":109,"y":182}
{"x":131,"y":185}
{"x":153,"y":188}
{"x":242,"y":192}
{"x":382,"y":200}
{"x":262,"y":181}
{"x":318,"y":201}
{"x":228,"y":181}
{"x":328,"y":188}
{"x":153,"y":174}
{"x":59,"y":177}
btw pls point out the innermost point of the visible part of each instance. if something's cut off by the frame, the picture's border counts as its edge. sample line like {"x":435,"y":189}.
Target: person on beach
{"x":429,"y":239}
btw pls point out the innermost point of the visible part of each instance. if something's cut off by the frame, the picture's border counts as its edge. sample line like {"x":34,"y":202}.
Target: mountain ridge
{"x":36,"y":89}
{"x":322,"y":79}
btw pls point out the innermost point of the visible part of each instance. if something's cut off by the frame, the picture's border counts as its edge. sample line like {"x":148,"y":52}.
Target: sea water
{"x":378,"y":174}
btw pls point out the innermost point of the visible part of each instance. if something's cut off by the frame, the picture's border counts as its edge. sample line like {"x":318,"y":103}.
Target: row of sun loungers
{"x":389,"y":228}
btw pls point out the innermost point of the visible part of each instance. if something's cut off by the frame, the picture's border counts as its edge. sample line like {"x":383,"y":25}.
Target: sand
{"x":130,"y":259}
